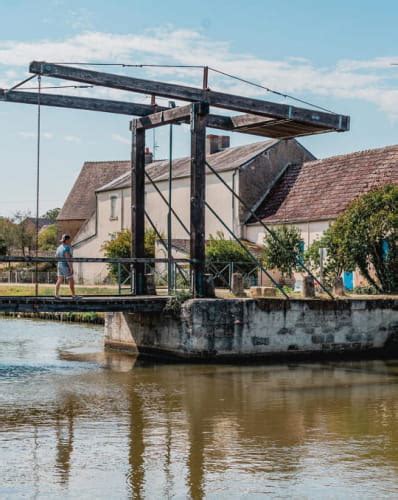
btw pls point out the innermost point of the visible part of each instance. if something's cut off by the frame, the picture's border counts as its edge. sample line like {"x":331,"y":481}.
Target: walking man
{"x":65,"y":267}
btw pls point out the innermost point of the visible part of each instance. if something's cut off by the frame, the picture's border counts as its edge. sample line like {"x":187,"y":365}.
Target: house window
{"x":113,"y":208}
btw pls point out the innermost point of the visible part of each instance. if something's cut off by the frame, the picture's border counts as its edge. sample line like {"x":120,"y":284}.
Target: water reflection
{"x":108,"y":426}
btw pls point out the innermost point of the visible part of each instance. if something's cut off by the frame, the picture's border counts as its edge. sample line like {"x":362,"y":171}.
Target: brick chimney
{"x":148,"y":156}
{"x":216,"y":143}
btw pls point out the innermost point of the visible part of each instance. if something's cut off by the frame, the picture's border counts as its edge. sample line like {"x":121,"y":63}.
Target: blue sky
{"x":337,"y":54}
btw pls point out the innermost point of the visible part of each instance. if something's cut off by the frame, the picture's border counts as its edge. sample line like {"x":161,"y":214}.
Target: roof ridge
{"x":105,"y":161}
{"x":353,"y":153}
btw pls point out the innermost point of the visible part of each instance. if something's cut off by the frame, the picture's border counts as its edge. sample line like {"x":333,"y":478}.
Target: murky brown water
{"x":78,"y":424}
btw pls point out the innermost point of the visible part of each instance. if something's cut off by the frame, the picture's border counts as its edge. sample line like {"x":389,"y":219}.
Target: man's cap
{"x":64,"y":237}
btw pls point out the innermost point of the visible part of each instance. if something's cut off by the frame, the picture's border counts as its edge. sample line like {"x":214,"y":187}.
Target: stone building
{"x":250,"y":170}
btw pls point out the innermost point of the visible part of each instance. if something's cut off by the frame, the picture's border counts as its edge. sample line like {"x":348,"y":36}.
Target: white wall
{"x":310,"y":231}
{"x":89,"y":240}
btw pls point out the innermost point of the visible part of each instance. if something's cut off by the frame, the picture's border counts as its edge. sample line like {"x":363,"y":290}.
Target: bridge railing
{"x":25,"y":275}
{"x":112,"y":276}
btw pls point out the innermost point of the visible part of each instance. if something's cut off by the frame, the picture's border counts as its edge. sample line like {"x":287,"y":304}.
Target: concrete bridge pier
{"x":252,"y":329}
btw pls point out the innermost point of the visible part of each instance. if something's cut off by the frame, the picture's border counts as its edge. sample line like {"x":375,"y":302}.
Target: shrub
{"x":220,"y":252}
{"x":119,"y":246}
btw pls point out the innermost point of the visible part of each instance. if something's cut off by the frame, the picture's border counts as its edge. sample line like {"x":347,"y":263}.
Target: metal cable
{"x":21,"y":83}
{"x":55,"y":87}
{"x":126,"y":65}
{"x":286,"y":96}
{"x":38,"y":181}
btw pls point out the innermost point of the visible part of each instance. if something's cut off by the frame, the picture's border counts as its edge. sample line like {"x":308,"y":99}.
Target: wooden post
{"x":199,"y":113}
{"x":138,"y":206}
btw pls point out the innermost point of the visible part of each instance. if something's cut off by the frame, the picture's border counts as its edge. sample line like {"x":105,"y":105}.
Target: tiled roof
{"x":229,"y":159}
{"x":80,"y":203}
{"x":322,"y":189}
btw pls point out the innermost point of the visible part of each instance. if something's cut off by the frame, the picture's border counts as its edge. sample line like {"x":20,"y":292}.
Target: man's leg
{"x":58,"y":285}
{"x":72,"y":286}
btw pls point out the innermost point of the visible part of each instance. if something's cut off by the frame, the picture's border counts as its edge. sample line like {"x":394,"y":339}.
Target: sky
{"x":335,"y":54}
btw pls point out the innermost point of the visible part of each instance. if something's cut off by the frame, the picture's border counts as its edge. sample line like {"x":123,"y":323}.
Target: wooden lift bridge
{"x":256,"y":117}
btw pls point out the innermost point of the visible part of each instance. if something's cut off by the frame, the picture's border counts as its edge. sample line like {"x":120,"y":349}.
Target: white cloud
{"x":121,"y":139}
{"x":72,"y":138}
{"x":33,"y":135}
{"x":369,"y":81}
{"x":27,"y":135}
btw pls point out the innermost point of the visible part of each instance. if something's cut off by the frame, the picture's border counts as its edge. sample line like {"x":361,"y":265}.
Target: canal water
{"x":76,"y":423}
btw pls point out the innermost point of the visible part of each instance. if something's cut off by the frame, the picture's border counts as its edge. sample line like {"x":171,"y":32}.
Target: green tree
{"x":284,"y":251}
{"x":52,"y":214}
{"x":7,"y":235}
{"x":119,"y":246}
{"x":365,"y":236}
{"x":48,"y":238}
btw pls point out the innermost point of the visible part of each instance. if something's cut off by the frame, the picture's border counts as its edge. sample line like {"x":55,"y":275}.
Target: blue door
{"x":348,"y":280}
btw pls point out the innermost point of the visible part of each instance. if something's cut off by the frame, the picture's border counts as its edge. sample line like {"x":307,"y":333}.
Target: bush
{"x":220,"y":252}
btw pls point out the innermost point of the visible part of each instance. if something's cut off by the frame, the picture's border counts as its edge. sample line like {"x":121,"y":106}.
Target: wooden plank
{"x":198,"y":193}
{"x":138,"y":207}
{"x":185,"y":93}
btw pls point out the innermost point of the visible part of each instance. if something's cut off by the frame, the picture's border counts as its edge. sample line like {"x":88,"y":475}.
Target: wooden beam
{"x":245,"y":124}
{"x":192,"y":94}
{"x":85,"y":103}
{"x":172,"y":115}
{"x":138,"y":207}
{"x":198,"y":193}
{"x":102,"y":105}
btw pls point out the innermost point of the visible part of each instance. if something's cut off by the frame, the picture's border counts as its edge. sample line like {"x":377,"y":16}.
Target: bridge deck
{"x":148,"y":303}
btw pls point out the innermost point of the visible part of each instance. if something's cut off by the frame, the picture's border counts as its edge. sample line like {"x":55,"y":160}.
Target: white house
{"x":311,"y":195}
{"x":250,"y":170}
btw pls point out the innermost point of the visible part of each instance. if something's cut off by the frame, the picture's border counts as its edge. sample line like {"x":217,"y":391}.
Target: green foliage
{"x":7,"y":235}
{"x":220,"y":252}
{"x":52,"y":214}
{"x":284,"y":251}
{"x":119,"y":246}
{"x":48,"y":238}
{"x":174,"y":303}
